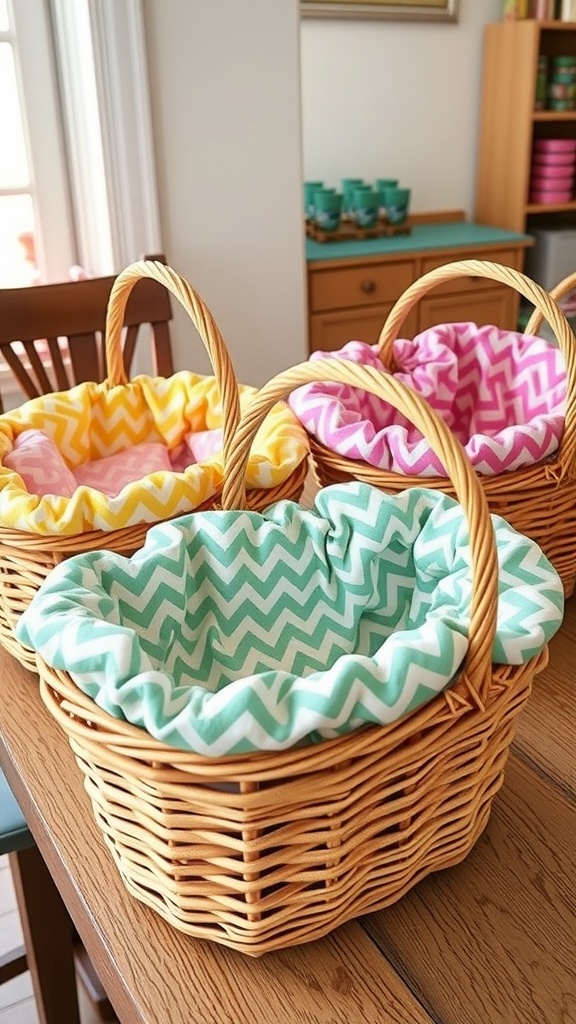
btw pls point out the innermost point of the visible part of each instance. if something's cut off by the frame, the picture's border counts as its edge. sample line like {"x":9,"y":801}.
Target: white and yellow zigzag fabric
{"x":231,"y":632}
{"x":93,"y":420}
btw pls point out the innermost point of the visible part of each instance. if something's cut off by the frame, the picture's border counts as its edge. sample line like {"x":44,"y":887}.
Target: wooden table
{"x":492,"y":941}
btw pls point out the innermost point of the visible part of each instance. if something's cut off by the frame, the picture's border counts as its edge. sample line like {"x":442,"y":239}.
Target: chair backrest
{"x":59,"y":331}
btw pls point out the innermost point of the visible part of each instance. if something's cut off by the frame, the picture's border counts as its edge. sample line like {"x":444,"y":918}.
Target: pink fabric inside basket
{"x":111,"y":473}
{"x":36,"y":458}
{"x":198,"y":447}
{"x":501,"y":393}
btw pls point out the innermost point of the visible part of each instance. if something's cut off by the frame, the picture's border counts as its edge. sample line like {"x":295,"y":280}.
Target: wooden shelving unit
{"x":509,"y":123}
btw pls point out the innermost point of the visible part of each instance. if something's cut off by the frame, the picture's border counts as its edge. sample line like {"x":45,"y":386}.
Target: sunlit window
{"x":18,"y":264}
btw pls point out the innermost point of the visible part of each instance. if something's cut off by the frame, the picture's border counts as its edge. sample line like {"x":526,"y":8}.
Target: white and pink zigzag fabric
{"x":43,"y":469}
{"x":501,"y":393}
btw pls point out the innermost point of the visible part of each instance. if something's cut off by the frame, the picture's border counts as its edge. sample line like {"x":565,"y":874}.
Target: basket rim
{"x":543,"y":301}
{"x":127,"y":537}
{"x":87,"y":724}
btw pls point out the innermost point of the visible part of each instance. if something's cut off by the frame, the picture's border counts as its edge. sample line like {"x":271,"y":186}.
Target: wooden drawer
{"x":330,"y":331}
{"x":509,"y":257}
{"x":498,"y":306}
{"x":367,"y":284}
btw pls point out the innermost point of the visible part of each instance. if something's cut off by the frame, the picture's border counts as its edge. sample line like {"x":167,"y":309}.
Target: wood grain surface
{"x":493,"y":940}
{"x":152,"y":973}
{"x":546,"y":732}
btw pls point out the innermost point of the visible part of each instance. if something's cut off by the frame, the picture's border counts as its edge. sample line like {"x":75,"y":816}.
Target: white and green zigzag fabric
{"x":231,"y":632}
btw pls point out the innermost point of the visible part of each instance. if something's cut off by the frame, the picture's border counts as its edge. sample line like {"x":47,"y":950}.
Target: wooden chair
{"x":48,"y":933}
{"x":59,"y":330}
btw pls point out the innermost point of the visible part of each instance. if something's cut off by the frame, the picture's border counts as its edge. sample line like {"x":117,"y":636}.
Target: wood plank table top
{"x":491,"y":941}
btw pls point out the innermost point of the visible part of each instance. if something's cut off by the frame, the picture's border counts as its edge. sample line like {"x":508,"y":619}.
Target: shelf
{"x":509,"y":124}
{"x":550,"y":207}
{"x":556,"y":26}
{"x":554,"y":115}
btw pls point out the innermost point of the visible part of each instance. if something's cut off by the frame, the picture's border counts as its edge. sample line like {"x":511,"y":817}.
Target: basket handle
{"x":466,"y":484}
{"x":543,"y":302}
{"x":566,"y":285}
{"x":202,"y":319}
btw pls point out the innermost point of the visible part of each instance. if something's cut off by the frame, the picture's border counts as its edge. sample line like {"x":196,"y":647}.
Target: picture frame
{"x":399,"y":10}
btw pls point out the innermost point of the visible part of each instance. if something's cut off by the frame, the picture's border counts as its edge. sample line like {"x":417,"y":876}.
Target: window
{"x":17,"y":227}
{"x":91,"y":201}
{"x":36,"y":234}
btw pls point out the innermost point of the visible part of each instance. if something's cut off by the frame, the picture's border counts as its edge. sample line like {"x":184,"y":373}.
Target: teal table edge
{"x":443,"y":235}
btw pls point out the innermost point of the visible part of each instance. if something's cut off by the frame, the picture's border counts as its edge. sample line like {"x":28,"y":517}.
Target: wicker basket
{"x":538,"y":500}
{"x":264,"y":851}
{"x":558,"y":292}
{"x":26,"y":558}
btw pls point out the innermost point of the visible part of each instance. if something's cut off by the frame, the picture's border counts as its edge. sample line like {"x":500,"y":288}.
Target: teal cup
{"x":365,"y":204}
{"x":310,"y":187}
{"x":348,"y":186}
{"x":396,"y":204}
{"x":327,"y":209}
{"x":382,"y":183}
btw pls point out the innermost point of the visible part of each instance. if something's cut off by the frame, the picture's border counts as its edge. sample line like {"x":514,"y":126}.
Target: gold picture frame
{"x":400,"y":10}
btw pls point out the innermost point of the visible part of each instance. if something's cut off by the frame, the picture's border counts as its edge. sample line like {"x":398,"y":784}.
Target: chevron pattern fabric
{"x":502,"y":394}
{"x":92,"y":421}
{"x":230,"y":632}
{"x":114,"y":472}
{"x":37,"y":460}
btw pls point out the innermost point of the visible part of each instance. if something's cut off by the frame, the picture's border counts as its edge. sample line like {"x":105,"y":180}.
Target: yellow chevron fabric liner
{"x":92,"y":420}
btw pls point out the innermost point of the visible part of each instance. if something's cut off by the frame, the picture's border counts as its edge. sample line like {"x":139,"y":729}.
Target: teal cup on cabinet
{"x":310,"y":187}
{"x":327,"y":209}
{"x":365,"y":204}
{"x":396,"y":204}
{"x":382,"y":183}
{"x":348,"y":186}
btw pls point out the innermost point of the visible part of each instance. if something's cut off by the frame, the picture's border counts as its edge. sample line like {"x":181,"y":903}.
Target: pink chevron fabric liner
{"x":36,"y":458}
{"x":111,"y":473}
{"x":502,"y":394}
{"x":197,"y":448}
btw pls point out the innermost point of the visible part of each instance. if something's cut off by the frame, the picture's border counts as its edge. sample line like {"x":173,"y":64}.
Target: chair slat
{"x":37,"y":365}
{"x":76,"y":310}
{"x":60,"y":375}
{"x":84,"y":357}
{"x":12,"y":964}
{"x":15,"y":363}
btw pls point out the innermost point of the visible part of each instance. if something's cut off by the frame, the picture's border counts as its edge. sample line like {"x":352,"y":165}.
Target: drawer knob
{"x":368,"y":287}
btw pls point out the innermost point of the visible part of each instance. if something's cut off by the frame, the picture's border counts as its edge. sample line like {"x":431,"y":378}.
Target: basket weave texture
{"x":264,"y":851}
{"x":559,"y":292}
{"x":26,"y":557}
{"x":538,"y":500}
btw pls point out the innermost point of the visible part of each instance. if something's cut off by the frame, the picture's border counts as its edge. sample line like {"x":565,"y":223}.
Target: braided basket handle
{"x":466,"y":484}
{"x":202,"y":319}
{"x":564,"y":287}
{"x":544,"y":303}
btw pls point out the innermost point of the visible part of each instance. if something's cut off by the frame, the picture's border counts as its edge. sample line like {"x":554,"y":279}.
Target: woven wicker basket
{"x":538,"y":500}
{"x":26,"y":558}
{"x":557,"y":293}
{"x":264,"y":851}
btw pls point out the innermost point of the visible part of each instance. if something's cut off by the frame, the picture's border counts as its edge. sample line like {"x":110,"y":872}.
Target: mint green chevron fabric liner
{"x":231,"y":632}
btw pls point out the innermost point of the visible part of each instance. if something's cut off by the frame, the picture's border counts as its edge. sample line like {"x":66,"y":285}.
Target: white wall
{"x":396,"y":99}
{"x":225,"y":94}
{"x":379,"y":98}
